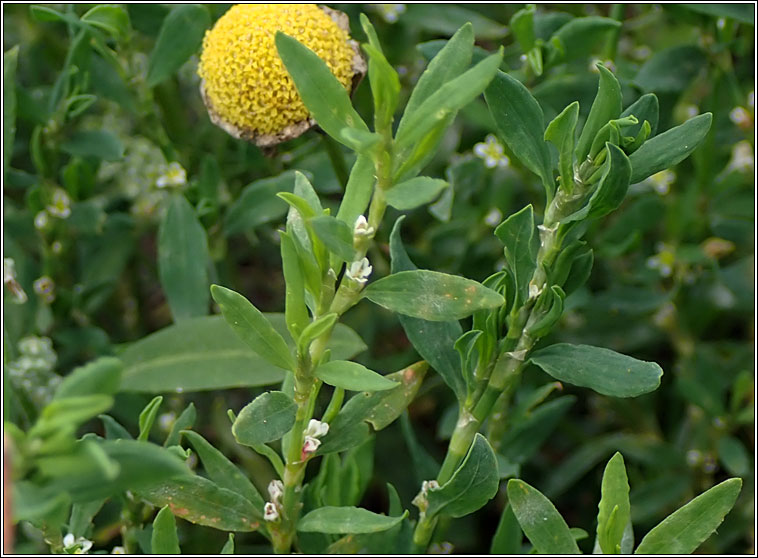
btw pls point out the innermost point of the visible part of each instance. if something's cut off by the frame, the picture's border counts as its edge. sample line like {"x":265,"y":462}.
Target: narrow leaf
{"x":613,"y":510}
{"x":346,"y":520}
{"x":164,"y":539}
{"x":517,"y":233}
{"x":605,"y":107}
{"x":352,"y":376}
{"x":415,"y":192}
{"x":180,"y":37}
{"x":147,"y":417}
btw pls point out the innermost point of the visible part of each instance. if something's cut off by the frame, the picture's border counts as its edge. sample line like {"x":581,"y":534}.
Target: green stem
{"x":617,"y":13}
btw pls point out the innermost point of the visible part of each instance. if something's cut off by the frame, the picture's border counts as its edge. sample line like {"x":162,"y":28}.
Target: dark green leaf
{"x":164,"y":539}
{"x":431,"y":295}
{"x":517,"y":233}
{"x":580,"y":37}
{"x":415,"y":192}
{"x":539,"y":519}
{"x":671,"y":70}
{"x":472,"y":485}
{"x":222,"y":471}
{"x":684,"y":531}
{"x":519,"y":121}
{"x":733,"y":455}
{"x":605,"y":107}
{"x":269,"y":417}
{"x":346,"y":520}
{"x":613,"y":510}
{"x":180,"y":36}
{"x":352,"y":376}
{"x":203,"y":354}
{"x":324,"y":96}
{"x":447,"y":18}
{"x":252,"y":327}
{"x":669,"y":148}
{"x":114,"y":20}
{"x":113,"y":429}
{"x":99,"y":376}
{"x":602,"y":370}
{"x":336,"y":235}
{"x":432,"y":340}
{"x":508,"y":536}
{"x":94,"y":143}
{"x":741,"y":12}
{"x":644,"y":108}
{"x":560,"y":132}
{"x":200,"y":501}
{"x":527,"y":434}
{"x":184,"y":421}
{"x":258,"y":203}
{"x":183,"y":260}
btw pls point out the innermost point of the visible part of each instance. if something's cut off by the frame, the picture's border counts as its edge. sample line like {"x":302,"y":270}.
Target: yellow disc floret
{"x":245,"y":84}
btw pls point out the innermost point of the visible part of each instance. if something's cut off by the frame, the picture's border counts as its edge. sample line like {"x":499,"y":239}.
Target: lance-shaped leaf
{"x":183,"y":260}
{"x":579,"y":37}
{"x":202,"y":502}
{"x":519,"y":121}
{"x":540,"y":521}
{"x":222,"y":471}
{"x":99,"y":376}
{"x":295,"y":310}
{"x":147,"y":417}
{"x":560,"y":132}
{"x":180,"y":36}
{"x":431,"y":295}
{"x":605,"y":107}
{"x":345,"y":520}
{"x":415,"y":192}
{"x":472,"y":485}
{"x":269,"y":417}
{"x":613,"y":510}
{"x":434,"y":341}
{"x":358,"y":190}
{"x":669,"y":148}
{"x":644,"y":108}
{"x":508,"y":536}
{"x":602,"y":370}
{"x":253,"y":328}
{"x":517,"y":233}
{"x":322,"y":93}
{"x":352,"y":376}
{"x":685,"y":529}
{"x":384,"y":80}
{"x":164,"y":539}
{"x":336,"y":235}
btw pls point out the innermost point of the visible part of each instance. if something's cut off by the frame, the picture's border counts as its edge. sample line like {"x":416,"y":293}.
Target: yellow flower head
{"x":246,"y":87}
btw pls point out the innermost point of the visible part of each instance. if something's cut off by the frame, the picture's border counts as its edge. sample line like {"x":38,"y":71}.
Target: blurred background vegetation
{"x":99,"y":144}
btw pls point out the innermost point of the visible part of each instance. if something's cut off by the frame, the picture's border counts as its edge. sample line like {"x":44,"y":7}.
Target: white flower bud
{"x":316,"y":428}
{"x":359,"y":271}
{"x":361,"y":228}
{"x":275,"y":490}
{"x":270,"y":512}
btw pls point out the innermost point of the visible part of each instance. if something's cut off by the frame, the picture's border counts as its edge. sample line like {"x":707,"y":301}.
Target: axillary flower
{"x":245,"y":85}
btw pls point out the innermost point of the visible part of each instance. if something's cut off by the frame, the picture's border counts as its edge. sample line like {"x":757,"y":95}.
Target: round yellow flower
{"x":245,"y":85}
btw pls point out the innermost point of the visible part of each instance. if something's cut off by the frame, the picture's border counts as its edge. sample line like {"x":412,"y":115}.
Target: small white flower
{"x":41,"y":220}
{"x":662,"y":181}
{"x":743,"y":158}
{"x":76,"y":545}
{"x":494,"y":217}
{"x":390,"y":12}
{"x":61,"y":204}
{"x":310,"y":445}
{"x":118,"y":550}
{"x":10,"y":282}
{"x":359,"y":271}
{"x":270,"y":512}
{"x":316,"y":428}
{"x":741,"y":117}
{"x":429,"y":486}
{"x":663,"y":261}
{"x":491,"y":151}
{"x":275,"y":490}
{"x":361,"y":228}
{"x":175,"y":175}
{"x":45,"y":288}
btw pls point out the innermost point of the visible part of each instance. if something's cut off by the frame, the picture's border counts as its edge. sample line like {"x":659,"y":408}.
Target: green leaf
{"x":432,"y":340}
{"x":94,"y":143}
{"x":114,"y":20}
{"x":113,"y":429}
{"x":444,"y":19}
{"x":743,"y":13}
{"x":415,"y":192}
{"x":560,"y":132}
{"x":517,"y":233}
{"x":346,"y":520}
{"x":539,"y":519}
{"x":99,"y":376}
{"x":184,"y":421}
{"x":358,"y":190}
{"x":508,"y":536}
{"x":613,"y":510}
{"x":295,"y":310}
{"x":684,"y":531}
{"x":222,"y":471}
{"x":449,"y":63}
{"x":41,"y":13}
{"x":204,"y":354}
{"x":252,"y":327}
{"x":550,"y":306}
{"x":10,"y":62}
{"x":605,"y":107}
{"x":669,"y":148}
{"x":431,"y":295}
{"x":336,"y":235}
{"x":147,"y":417}
{"x":522,"y":26}
{"x":316,"y":329}
{"x":519,"y":122}
{"x":611,"y":190}
{"x":180,"y":37}
{"x":733,"y":455}
{"x":448,"y":99}
{"x":323,"y":95}
{"x":228,"y":547}
{"x":472,"y":485}
{"x":671,"y":70}
{"x":383,"y":78}
{"x":528,"y":433}
{"x":183,"y":260}
{"x":202,"y":502}
{"x":644,"y":108}
{"x":269,"y":417}
{"x":379,"y":409}
{"x":602,"y":370}
{"x":580,"y":37}
{"x":258,"y":203}
{"x":352,"y":376}
{"x":164,"y":539}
